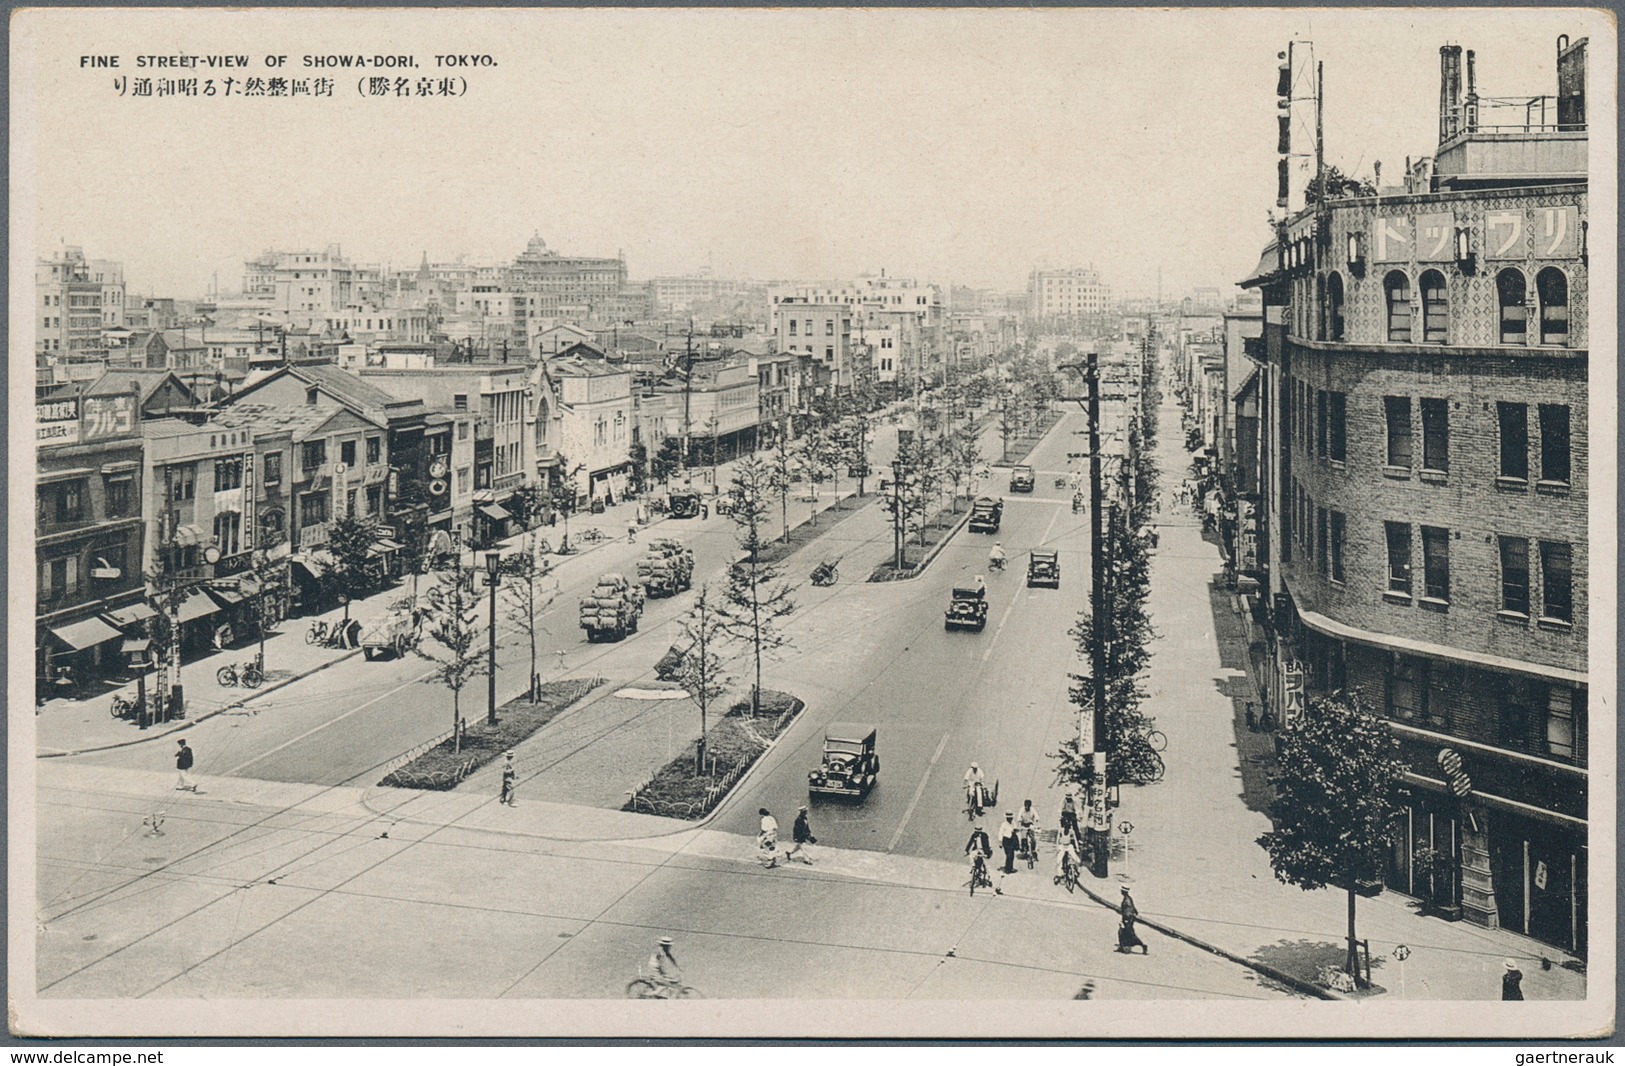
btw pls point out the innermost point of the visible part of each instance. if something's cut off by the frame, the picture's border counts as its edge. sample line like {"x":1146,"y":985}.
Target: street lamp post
{"x":896,"y":514}
{"x":493,"y":570}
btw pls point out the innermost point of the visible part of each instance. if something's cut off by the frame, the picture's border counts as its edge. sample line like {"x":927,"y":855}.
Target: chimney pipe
{"x":1470,"y":114}
{"x":1449,"y":90}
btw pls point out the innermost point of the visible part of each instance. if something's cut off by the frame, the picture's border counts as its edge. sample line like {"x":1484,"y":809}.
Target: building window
{"x":1408,"y":688}
{"x":1556,"y":582}
{"x":1509,"y":290}
{"x":1515,"y":575}
{"x":1399,"y":557}
{"x":462,"y":481}
{"x":1337,"y":425}
{"x":1337,"y":545}
{"x":117,"y":495}
{"x":70,"y":501}
{"x":1398,"y":410}
{"x":58,"y":578}
{"x":829,"y":327}
{"x":1334,"y":307}
{"x":1396,"y":288}
{"x":1514,"y":420}
{"x":228,"y":532}
{"x":1554,"y":442}
{"x":375,"y":500}
{"x":349,"y":504}
{"x":183,"y":480}
{"x":313,"y":454}
{"x":459,"y":401}
{"x":1552,"y":286}
{"x":1320,"y":424}
{"x":792,"y":327}
{"x":313,"y":509}
{"x":1322,"y":541}
{"x":347,"y":453}
{"x":1436,"y":563}
{"x":273,"y":468}
{"x":228,"y":474}
{"x":1435,"y":308}
{"x":1436,"y":435}
{"x":374,"y":450}
{"x":1560,"y":722}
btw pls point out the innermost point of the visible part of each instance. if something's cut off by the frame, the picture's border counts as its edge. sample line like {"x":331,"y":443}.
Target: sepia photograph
{"x":812,"y":524}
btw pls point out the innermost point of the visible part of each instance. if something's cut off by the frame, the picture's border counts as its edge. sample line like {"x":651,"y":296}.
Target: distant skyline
{"x":960,"y":147}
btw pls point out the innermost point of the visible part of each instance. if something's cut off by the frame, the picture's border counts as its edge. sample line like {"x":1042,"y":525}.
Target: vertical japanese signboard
{"x":1097,"y":793}
{"x":1247,"y":526}
{"x":57,"y":422}
{"x":1292,"y":694}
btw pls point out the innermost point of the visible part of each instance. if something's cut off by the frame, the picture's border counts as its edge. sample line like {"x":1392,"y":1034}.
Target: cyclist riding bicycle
{"x":980,"y":850}
{"x":662,"y":967}
{"x":995,"y":558}
{"x":1027,"y":819}
{"x":975,"y":787}
{"x":1066,"y":854}
{"x":1069,"y":815}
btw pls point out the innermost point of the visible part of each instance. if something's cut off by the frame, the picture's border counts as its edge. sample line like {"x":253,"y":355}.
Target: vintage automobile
{"x":1021,"y":479}
{"x":684,"y":504}
{"x":1044,"y":568}
{"x":850,"y":767}
{"x":985,"y":514}
{"x":967,"y":609}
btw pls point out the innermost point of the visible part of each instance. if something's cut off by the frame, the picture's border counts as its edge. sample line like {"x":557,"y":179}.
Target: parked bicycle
{"x":319,"y":632}
{"x":250,"y":676}
{"x":591,"y":536}
{"x":123,"y":707}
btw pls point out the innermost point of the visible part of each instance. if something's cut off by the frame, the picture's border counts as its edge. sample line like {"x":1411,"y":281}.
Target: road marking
{"x":919,"y":791}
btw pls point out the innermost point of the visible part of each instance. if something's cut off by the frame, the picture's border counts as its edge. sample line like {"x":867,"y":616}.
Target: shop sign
{"x":1292,"y":695}
{"x":1097,"y":793}
{"x":57,"y":420}
{"x":109,"y":416}
{"x":1436,"y":238}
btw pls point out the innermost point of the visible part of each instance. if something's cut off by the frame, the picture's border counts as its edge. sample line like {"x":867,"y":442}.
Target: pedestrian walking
{"x":1008,"y":839}
{"x":800,"y":837}
{"x":767,"y":841}
{"x":1127,"y":938}
{"x":632,"y":533}
{"x":1512,"y":981}
{"x":1252,"y":718}
{"x":509,"y":779}
{"x":183,"y":766}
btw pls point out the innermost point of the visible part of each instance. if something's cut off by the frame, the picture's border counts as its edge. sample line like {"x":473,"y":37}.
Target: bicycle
{"x":250,"y":676}
{"x":976,"y":802}
{"x":1157,"y":739}
{"x":1029,"y":846}
{"x":646,"y":988}
{"x":978,"y":874}
{"x":591,"y":536}
{"x":123,"y":707}
{"x":318,"y":632}
{"x":1069,"y":873}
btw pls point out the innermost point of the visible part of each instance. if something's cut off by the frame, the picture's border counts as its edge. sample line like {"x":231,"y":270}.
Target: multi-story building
{"x":567,"y":286}
{"x":68,"y":307}
{"x":1074,"y":293}
{"x":1425,"y":488}
{"x":821,"y":331}
{"x":87,"y":532}
{"x":596,"y":425}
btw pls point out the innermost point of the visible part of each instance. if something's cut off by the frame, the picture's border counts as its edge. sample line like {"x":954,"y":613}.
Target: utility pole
{"x":1099,"y":836}
{"x":688,"y":381}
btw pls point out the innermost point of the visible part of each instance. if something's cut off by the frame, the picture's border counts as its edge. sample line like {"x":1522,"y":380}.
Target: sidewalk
{"x":67,"y":726}
{"x":1192,"y":856}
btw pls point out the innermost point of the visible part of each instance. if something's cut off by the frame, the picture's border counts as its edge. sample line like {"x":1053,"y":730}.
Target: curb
{"x":190,"y":722}
{"x":1297,"y":983}
{"x":728,"y":795}
{"x":930,"y":555}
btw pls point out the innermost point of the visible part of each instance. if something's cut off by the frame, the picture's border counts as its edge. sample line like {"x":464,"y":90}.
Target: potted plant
{"x":1439,"y":867}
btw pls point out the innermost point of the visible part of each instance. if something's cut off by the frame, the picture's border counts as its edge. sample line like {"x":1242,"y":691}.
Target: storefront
{"x":74,"y":653}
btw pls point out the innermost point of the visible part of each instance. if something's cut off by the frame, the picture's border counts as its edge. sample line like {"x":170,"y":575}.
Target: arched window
{"x":1553,"y":288}
{"x":1396,"y":288}
{"x":1509,"y":292}
{"x":1320,"y":308}
{"x":1435,"y":308}
{"x":1334,"y":307}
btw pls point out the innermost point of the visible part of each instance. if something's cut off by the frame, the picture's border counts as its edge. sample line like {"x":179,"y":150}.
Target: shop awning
{"x":198,"y":606}
{"x":439,"y":543}
{"x":135,"y":645}
{"x":62,"y":475}
{"x":127,"y":467}
{"x":187,"y":536}
{"x":495,"y":512}
{"x":86,"y":633}
{"x":131,"y":615}
{"x":309,"y":564}
{"x":384,"y":546}
{"x":228,"y":594}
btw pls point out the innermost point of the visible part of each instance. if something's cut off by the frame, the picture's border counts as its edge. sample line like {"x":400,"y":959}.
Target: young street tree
{"x":756,"y":598}
{"x":353,"y":572}
{"x":526,"y":591}
{"x":563,"y":496}
{"x":962,"y":454}
{"x":700,"y":669}
{"x":782,"y":475}
{"x":1336,"y":801}
{"x":666,"y":461}
{"x":451,"y":612}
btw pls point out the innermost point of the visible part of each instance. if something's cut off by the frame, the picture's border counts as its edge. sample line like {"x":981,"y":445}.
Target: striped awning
{"x":187,"y":536}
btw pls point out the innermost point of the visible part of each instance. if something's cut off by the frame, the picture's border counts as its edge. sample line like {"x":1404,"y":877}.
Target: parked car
{"x":986,"y":514}
{"x":1021,"y":479}
{"x":683,"y":504}
{"x":1044,"y":568}
{"x":967,"y":609}
{"x":850,"y":767}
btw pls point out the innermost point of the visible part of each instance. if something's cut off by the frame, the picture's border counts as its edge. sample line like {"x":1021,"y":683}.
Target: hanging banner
{"x":1247,"y":514}
{"x":1292,"y":695}
{"x":1097,"y":793}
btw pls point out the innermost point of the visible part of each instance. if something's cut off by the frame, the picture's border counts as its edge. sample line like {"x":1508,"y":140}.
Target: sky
{"x":962,"y":147}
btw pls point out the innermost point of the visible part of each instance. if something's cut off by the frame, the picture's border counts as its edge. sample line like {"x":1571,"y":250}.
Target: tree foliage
{"x":1336,"y":800}
{"x":756,"y":597}
{"x":451,"y":615}
{"x":528,"y":588}
{"x":354,"y":570}
{"x":1337,"y":185}
{"x":700,"y":670}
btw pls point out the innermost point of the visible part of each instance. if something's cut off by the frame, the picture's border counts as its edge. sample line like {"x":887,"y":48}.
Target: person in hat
{"x":767,"y":841}
{"x":800,"y":837}
{"x":1127,"y":938}
{"x":509,"y":779}
{"x":1009,"y":838}
{"x":183,"y":766}
{"x":1512,"y":981}
{"x":662,"y":965}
